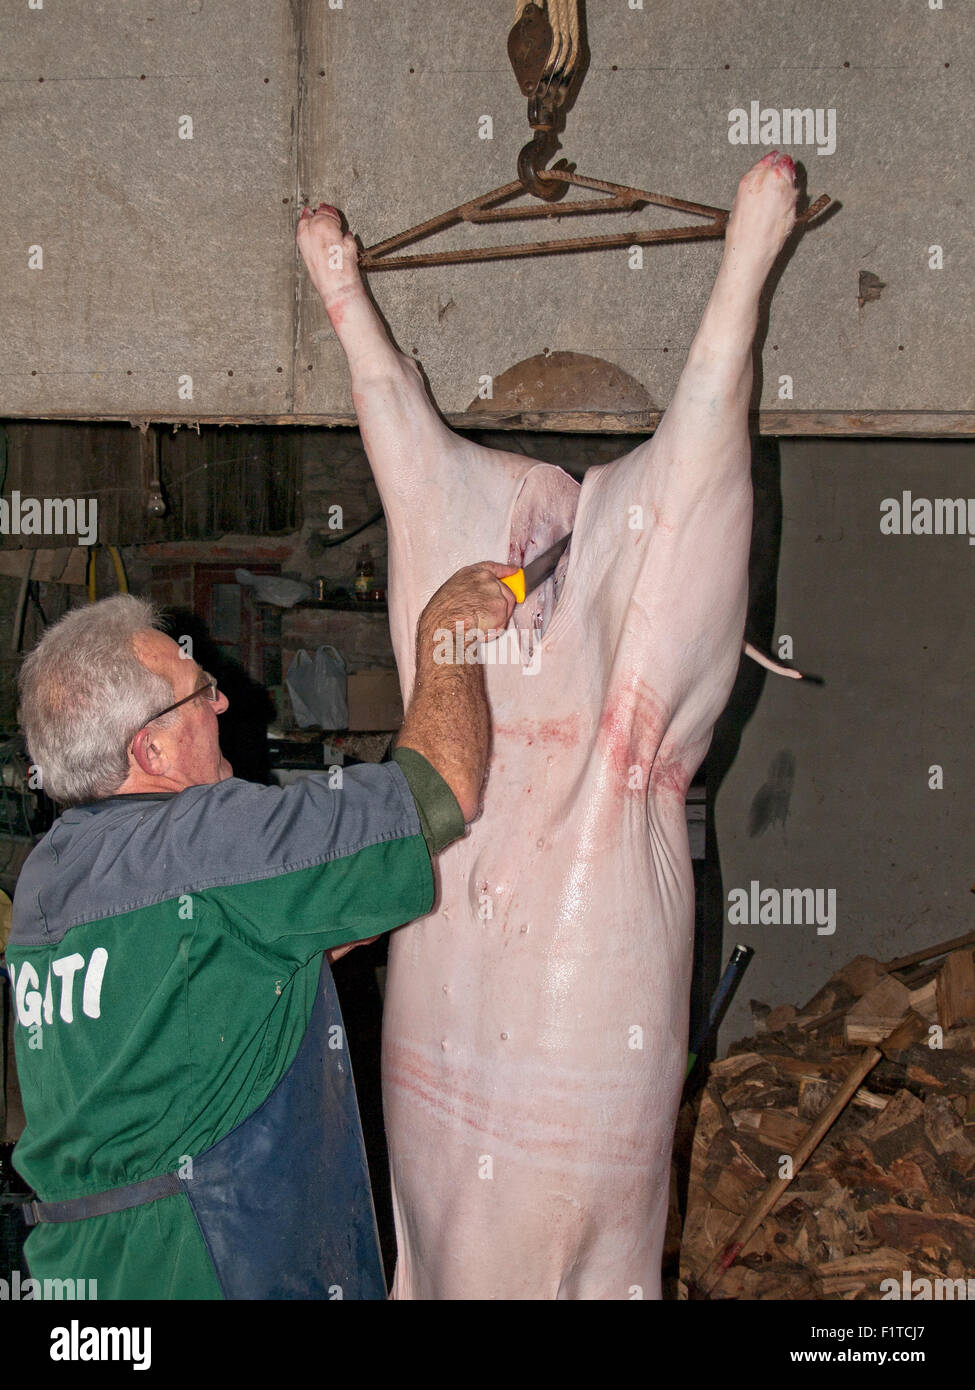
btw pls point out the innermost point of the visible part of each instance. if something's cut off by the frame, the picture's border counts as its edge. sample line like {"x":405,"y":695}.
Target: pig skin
{"x":535,"y":1031}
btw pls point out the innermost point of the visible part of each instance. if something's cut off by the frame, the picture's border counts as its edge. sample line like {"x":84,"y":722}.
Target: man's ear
{"x":148,"y":754}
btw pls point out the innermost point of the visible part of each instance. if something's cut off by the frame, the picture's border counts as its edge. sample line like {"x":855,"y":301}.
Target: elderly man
{"x":192,"y":1129}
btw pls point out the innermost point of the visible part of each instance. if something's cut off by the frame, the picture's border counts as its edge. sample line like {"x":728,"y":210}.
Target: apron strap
{"x":135,"y":1194}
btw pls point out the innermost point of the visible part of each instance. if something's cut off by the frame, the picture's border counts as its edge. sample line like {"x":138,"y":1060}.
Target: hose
{"x":91,"y":581}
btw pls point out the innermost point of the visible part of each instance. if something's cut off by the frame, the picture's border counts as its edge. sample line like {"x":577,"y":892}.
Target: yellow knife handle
{"x":516,"y":583}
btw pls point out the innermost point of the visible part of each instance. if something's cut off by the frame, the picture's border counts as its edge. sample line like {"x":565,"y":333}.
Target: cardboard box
{"x":375,"y":704}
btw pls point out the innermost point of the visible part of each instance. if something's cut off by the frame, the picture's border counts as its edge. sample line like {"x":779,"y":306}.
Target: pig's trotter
{"x":333,"y":264}
{"x":762,"y":216}
{"x":331,"y":258}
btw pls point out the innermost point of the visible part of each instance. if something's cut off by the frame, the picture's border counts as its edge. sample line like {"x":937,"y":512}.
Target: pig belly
{"x":535,"y":1046}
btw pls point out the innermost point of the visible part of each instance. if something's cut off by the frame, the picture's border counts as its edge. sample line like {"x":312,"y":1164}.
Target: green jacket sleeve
{"x":441,"y":819}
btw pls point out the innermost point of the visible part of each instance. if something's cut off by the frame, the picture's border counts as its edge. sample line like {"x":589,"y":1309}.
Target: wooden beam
{"x":865,"y":424}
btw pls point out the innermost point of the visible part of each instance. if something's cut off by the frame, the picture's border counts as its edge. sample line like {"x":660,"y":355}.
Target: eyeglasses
{"x":208,"y":690}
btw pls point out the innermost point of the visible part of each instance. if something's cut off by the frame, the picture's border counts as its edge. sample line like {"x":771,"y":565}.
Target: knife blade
{"x":525,"y":581}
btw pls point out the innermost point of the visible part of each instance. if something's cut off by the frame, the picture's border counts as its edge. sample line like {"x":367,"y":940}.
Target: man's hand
{"x":337,"y":952}
{"x":473,"y":597}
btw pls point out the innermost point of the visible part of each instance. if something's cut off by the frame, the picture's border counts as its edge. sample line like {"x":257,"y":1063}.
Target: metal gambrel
{"x":622,"y":199}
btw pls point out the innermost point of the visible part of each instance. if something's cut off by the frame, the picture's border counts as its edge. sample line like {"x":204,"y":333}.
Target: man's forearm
{"x":448,"y":723}
{"x":448,"y":718}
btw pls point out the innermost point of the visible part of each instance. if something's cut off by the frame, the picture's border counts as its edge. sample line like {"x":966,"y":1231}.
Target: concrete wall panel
{"x":162,"y":257}
{"x":166,"y":257}
{"x":885,"y":620}
{"x":653,"y":111}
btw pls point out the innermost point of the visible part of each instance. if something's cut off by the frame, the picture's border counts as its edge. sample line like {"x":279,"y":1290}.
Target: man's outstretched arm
{"x":447,"y":721}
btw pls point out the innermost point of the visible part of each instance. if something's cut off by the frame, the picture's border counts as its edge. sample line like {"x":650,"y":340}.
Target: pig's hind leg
{"x":685,"y":577}
{"x":446,"y":498}
{"x":391,"y":403}
{"x":428,"y":476}
{"x":706,"y":421}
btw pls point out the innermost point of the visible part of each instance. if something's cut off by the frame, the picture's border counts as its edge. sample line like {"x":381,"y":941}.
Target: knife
{"x":524,"y":581}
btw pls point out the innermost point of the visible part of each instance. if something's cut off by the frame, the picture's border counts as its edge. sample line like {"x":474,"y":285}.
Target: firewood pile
{"x":836,"y":1148}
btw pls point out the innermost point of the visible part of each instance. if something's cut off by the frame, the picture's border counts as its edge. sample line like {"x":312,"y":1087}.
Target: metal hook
{"x":531,"y":164}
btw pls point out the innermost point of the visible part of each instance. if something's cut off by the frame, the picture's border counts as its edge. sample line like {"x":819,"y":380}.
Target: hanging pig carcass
{"x":535,"y":1033}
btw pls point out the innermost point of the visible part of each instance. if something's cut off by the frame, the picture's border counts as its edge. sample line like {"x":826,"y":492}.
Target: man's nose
{"x":221,"y":702}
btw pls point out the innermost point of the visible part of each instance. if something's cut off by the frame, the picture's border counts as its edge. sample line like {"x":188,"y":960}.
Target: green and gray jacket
{"x":175,"y":1016}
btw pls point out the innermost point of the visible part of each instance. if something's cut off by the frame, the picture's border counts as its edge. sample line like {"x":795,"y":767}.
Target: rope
{"x":568,"y":21}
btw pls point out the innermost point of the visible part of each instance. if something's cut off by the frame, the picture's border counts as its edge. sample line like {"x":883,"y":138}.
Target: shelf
{"x":345,"y":605}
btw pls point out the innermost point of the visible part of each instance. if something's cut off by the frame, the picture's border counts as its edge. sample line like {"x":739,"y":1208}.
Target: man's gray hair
{"x":84,"y":695}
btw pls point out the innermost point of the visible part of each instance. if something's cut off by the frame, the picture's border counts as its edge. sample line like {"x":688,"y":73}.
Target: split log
{"x":776,"y":1128}
{"x":871,"y":1019}
{"x":861,"y":974}
{"x":956,"y":989}
{"x":938,"y":1069}
{"x":943,"y":1127}
{"x":863,"y":1273}
{"x":925,"y":1233}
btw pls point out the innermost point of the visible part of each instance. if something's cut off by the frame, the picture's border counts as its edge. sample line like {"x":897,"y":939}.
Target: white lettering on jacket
{"x":33,"y":1009}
